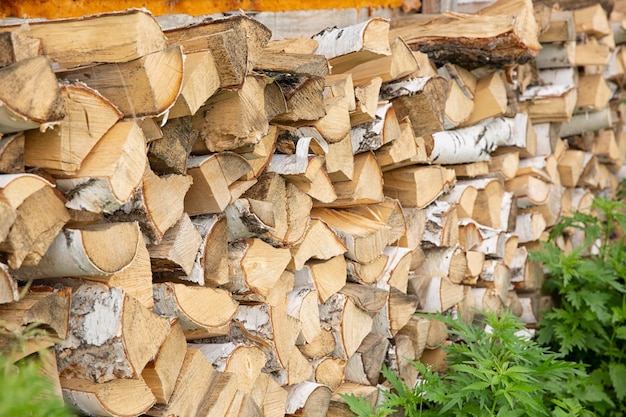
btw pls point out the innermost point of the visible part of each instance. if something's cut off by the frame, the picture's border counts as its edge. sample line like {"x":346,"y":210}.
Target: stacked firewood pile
{"x":216,"y":224}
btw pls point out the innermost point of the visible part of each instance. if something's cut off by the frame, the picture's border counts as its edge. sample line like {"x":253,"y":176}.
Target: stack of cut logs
{"x":214,"y":223}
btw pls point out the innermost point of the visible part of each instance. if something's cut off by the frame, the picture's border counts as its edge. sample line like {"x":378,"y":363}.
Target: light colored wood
{"x":156,"y":204}
{"x":561,"y":27}
{"x":308,"y":399}
{"x":322,"y":345}
{"x":366,"y":273}
{"x":349,"y":324}
{"x":464,"y":79}
{"x":388,"y":211}
{"x":490,"y":98}
{"x":441,"y":224}
{"x":9,"y":290}
{"x":422,"y":100}
{"x":335,"y":124}
{"x":213,"y":176}
{"x":12,"y":153}
{"x":161,"y":373}
{"x":302,"y":304}
{"x":303,"y":96}
{"x":556,"y":55}
{"x":364,"y":239}
{"x":571,"y":167}
{"x":39,"y":215}
{"x":486,"y":299}
{"x":449,"y":262}
{"x":404,"y":183}
{"x":189,"y":393}
{"x":233,"y":118}
{"x":504,"y":164}
{"x":221,"y":395}
{"x":200,"y":81}
{"x":109,"y":37}
{"x":176,"y":252}
{"x":244,"y":361}
{"x":442,"y":294}
{"x":259,"y":155}
{"x":404,"y":148}
{"x":592,"y":20}
{"x":528,"y":189}
{"x":62,"y":149}
{"x":211,"y":264}
{"x":417,"y":331}
{"x":592,"y":54}
{"x":400,"y":63}
{"x":396,"y":313}
{"x":338,"y":406}
{"x":115,"y":398}
{"x":340,"y":85}
{"x":340,"y":160}
{"x":437,"y":334}
{"x":19,"y":110}
{"x":459,"y":107}
{"x":147,"y":86}
{"x":319,"y":242}
{"x":110,"y":173}
{"x":169,"y":153}
{"x":366,"y":187}
{"x":15,"y":47}
{"x":400,"y":357}
{"x":364,"y":367}
{"x":116,"y":325}
{"x":371,"y":135}
{"x":293,"y":62}
{"x":326,"y":276}
{"x":96,"y":250}
{"x":496,"y":275}
{"x":270,"y":396}
{"x":350,"y":46}
{"x":370,"y":299}
{"x":587,"y":122}
{"x":593,"y":92}
{"x":189,"y":303}
{"x":329,"y":371}
{"x":549,"y":103}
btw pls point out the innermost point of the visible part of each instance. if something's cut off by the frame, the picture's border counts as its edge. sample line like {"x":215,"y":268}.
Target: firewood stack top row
{"x":214,"y":223}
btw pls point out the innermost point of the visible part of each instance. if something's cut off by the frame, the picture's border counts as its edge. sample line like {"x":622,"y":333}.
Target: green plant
{"x":25,"y":391}
{"x":588,"y":321}
{"x":492,"y":371}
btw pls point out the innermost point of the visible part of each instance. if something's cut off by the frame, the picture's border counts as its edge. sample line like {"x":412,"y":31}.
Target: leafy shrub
{"x":493,"y":371}
{"x":588,"y":321}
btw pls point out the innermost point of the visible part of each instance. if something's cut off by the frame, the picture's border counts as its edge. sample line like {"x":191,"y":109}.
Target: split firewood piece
{"x":124,"y":397}
{"x":529,"y":226}
{"x":595,"y":175}
{"x":176,"y":253}
{"x":490,"y":99}
{"x":592,"y":20}
{"x":335,"y":124}
{"x":415,"y":221}
{"x":62,"y":150}
{"x":269,"y":395}
{"x":571,"y":166}
{"x":120,"y":321}
{"x":35,"y":215}
{"x":495,"y":243}
{"x":544,"y":167}
{"x":9,"y":290}
{"x":388,"y":211}
{"x":96,"y":250}
{"x":417,"y":331}
{"x":365,"y":365}
{"x":196,"y":378}
{"x":526,"y":274}
{"x":551,"y":209}
{"x":593,"y":92}
{"x":15,"y":47}
{"x":370,"y":299}
{"x":298,"y":370}
{"x":319,"y":242}
{"x":213,"y":176}
{"x":396,"y":271}
{"x":303,"y":95}
{"x":400,"y":358}
{"x":365,"y":239}
{"x":144,"y":87}
{"x":449,"y":262}
{"x":168,"y":154}
{"x":233,"y":118}
{"x":528,"y":190}
{"x":487,"y":206}
{"x":322,"y":345}
{"x":531,"y":305}
{"x":200,"y":81}
{"x":211,"y":263}
{"x":338,"y":406}
{"x":308,"y":398}
{"x":110,"y":173}
{"x":396,"y":313}
{"x":259,"y":154}
{"x":587,"y":122}
{"x":561,"y":28}
{"x":271,"y":328}
{"x":348,"y":323}
{"x":472,"y":169}
{"x":340,"y":160}
{"x":512,"y":23}
{"x":422,"y":100}
{"x":441,"y":227}
{"x":245,"y":361}
{"x":404,"y":148}
{"x":350,"y":46}
{"x":459,"y":106}
{"x":302,"y":305}
{"x":326,"y":276}
{"x":464,"y":79}
{"x":161,"y":373}
{"x":607,"y":149}
{"x":329,"y":372}
{"x":366,"y":187}
{"x":399,"y":64}
{"x":475,"y":143}
{"x":43,"y":305}
{"x":366,"y":97}
{"x":385,"y":128}
{"x":157,"y":204}
{"x":189,"y":305}
{"x":366,"y":273}
{"x":437,"y":334}
{"x":340,"y":85}
{"x":32,"y":77}
{"x":576,"y":200}
{"x":295,"y":63}
{"x":108,"y":37}
{"x":487,"y":299}
{"x":496,"y":275}
{"x":442,"y":294}
{"x":436,"y":358}
{"x":557,"y":55}
{"x":272,"y":209}
{"x":12,"y":153}
{"x":255,"y":267}
{"x":418,"y":186}
{"x":221,"y":394}
{"x":549,"y":103}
